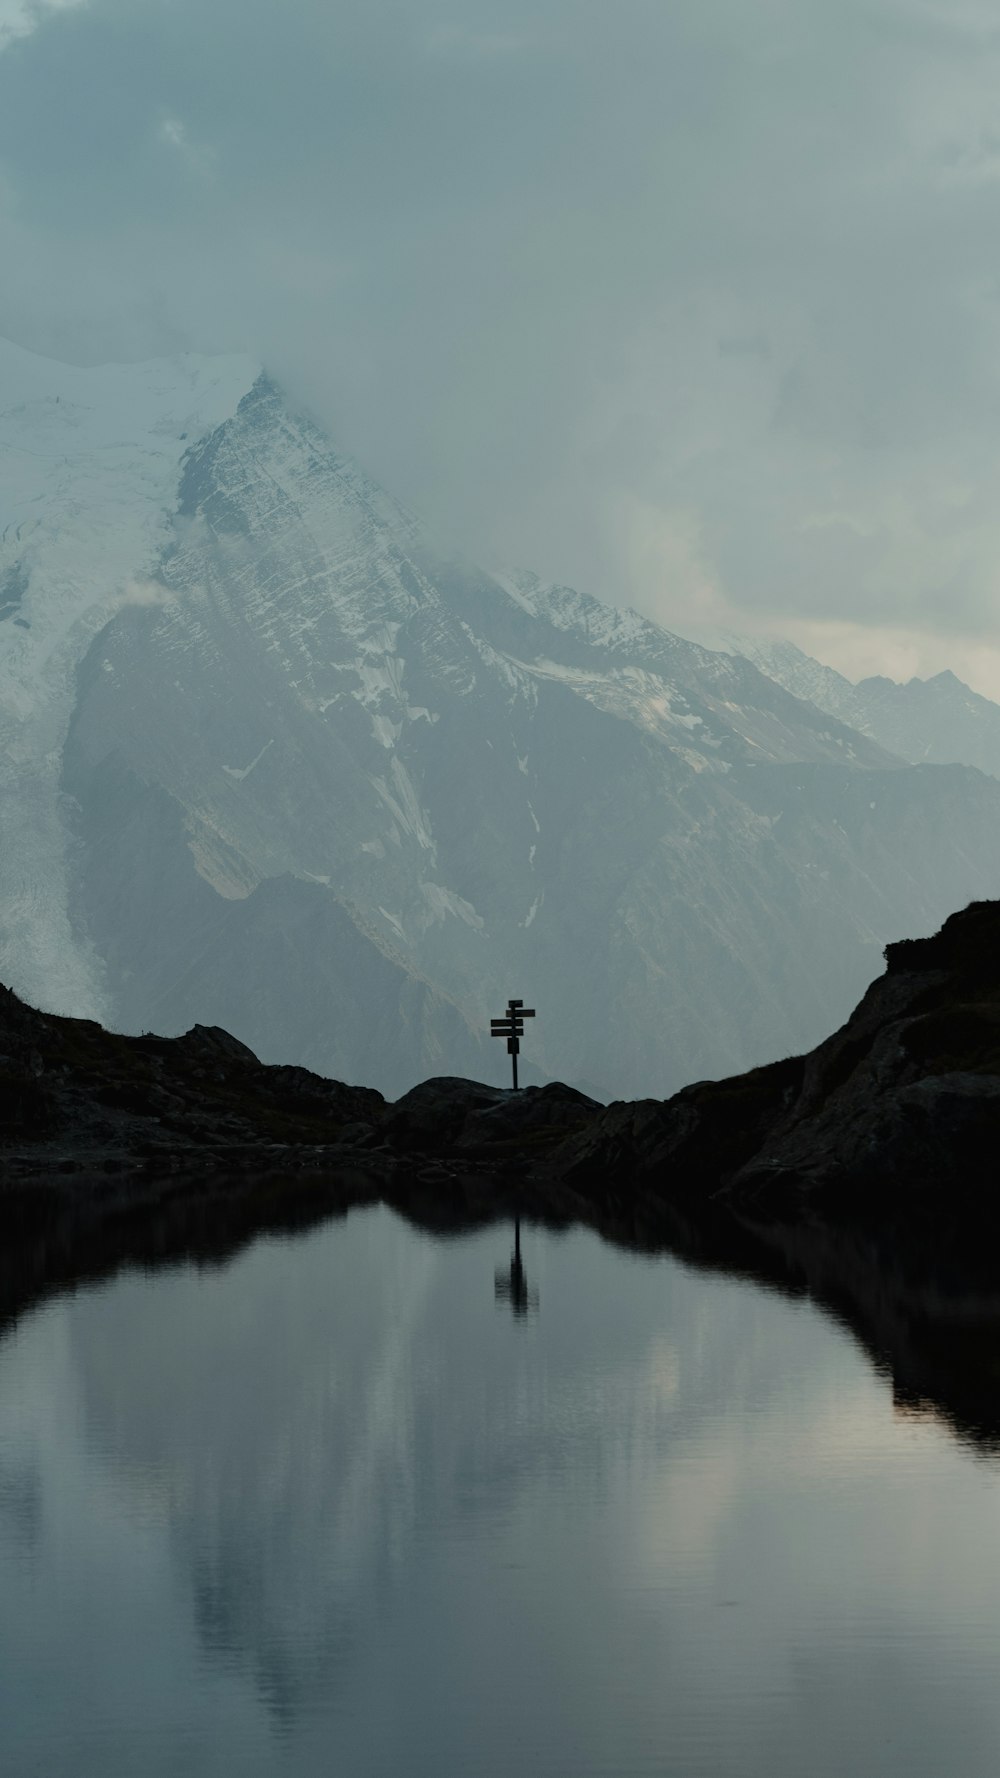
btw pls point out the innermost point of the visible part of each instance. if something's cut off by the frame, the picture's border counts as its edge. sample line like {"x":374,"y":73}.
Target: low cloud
{"x":696,"y":303}
{"x":146,"y":594}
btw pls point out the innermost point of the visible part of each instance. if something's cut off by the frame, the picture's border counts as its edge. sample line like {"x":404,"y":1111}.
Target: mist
{"x":693,"y":307}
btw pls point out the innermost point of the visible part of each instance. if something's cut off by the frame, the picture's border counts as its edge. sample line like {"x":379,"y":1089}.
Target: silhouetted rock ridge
{"x":903,"y":1099}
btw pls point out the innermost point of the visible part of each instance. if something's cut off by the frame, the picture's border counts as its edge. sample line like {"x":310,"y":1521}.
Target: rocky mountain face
{"x":939,"y":720}
{"x":75,"y":1098}
{"x":274,"y":765}
{"x":897,"y":1112}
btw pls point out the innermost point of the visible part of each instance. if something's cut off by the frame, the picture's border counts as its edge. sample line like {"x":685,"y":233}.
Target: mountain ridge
{"x":939,"y":720}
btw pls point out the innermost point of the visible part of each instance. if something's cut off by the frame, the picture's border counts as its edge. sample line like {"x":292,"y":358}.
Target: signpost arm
{"x":511,"y":1026}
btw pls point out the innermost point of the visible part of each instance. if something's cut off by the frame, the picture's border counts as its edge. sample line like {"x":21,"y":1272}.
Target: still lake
{"x":333,"y":1508}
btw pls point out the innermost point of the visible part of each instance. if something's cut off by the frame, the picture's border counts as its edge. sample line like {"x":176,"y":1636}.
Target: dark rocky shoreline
{"x":903,"y":1100}
{"x":863,"y":1175}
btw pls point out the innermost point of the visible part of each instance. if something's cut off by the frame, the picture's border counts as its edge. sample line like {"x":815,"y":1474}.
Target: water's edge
{"x":922,"y":1298}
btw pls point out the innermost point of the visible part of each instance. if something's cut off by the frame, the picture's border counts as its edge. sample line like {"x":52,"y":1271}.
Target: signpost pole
{"x":511,"y":1026}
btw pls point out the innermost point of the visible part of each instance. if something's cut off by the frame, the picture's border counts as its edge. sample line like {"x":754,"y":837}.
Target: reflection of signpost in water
{"x":512,"y":1286}
{"x":511,"y":1026}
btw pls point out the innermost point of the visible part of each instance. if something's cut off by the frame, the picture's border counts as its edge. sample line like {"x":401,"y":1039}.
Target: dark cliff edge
{"x":862,"y":1175}
{"x":900,"y":1107}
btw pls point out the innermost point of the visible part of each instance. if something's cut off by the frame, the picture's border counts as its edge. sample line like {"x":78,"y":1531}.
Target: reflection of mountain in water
{"x":380,"y":1507}
{"x":310,"y":1412}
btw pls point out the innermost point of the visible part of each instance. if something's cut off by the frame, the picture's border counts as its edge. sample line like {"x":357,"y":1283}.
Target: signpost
{"x":511,"y":1026}
{"x":512,"y":1286}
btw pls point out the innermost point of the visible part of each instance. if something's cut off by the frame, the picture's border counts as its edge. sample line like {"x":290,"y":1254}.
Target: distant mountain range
{"x":936,"y":721}
{"x":270,"y":762}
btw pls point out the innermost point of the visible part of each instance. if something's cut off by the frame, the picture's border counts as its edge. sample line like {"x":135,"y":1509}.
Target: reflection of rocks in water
{"x":62,"y":1233}
{"x":511,"y":1283}
{"x":924,"y":1305}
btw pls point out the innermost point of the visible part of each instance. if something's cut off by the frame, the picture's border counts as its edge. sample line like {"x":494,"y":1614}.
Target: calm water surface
{"x":334,"y":1509}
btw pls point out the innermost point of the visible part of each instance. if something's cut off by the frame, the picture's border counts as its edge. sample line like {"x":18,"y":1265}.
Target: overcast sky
{"x":693,"y":303}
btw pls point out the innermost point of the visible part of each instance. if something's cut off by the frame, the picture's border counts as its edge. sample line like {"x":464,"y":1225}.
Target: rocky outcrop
{"x":906,"y":1097}
{"x":466,"y":1117}
{"x":903,"y":1100}
{"x":902,"y":1103}
{"x":74,"y":1097}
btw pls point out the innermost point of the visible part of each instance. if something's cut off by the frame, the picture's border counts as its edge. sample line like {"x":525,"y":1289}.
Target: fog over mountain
{"x":695,"y":304}
{"x":937,"y":719}
{"x":274,"y":763}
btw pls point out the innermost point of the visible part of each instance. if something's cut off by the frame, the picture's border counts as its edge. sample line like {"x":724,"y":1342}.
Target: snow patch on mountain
{"x":241,"y":772}
{"x":89,"y":467}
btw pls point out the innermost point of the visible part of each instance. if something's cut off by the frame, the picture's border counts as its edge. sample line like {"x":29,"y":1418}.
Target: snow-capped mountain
{"x":939,"y":720}
{"x":88,"y":481}
{"x":273,"y":764}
